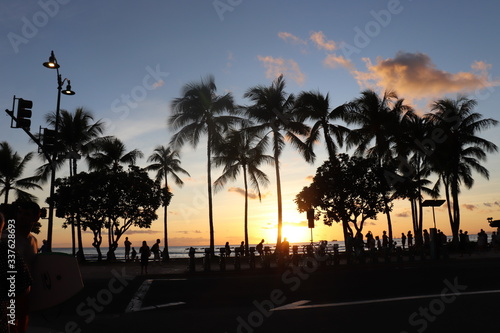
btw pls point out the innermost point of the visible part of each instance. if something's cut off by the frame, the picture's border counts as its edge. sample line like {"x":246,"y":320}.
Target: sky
{"x":127,"y":60}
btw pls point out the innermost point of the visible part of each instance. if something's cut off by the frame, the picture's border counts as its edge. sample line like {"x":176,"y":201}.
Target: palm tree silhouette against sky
{"x":461,"y":151}
{"x":198,"y":112}
{"x":12,"y":167}
{"x":109,"y":153}
{"x":273,"y":110}
{"x":166,"y":162}
{"x":379,"y":119}
{"x":77,"y":134}
{"x":315,"y":106}
{"x":243,"y":152}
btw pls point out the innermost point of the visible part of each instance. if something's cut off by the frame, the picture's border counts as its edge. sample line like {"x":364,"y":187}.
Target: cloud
{"x":415,"y":76}
{"x":288,"y":37}
{"x":310,"y":178}
{"x":469,"y":207}
{"x":277,"y":66}
{"x":241,"y":191}
{"x":403,"y":214}
{"x":321,"y":43}
{"x":334,"y":61}
{"x":147,"y":231}
{"x":491,"y":204}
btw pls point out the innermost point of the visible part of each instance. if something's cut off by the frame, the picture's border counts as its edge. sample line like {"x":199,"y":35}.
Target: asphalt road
{"x":456,"y":296}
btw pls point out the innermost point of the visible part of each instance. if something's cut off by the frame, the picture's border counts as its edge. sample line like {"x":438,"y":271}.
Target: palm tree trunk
{"x":246,"y":209}
{"x":166,"y":256}
{"x":81,"y":255}
{"x":209,"y":180}
{"x":456,"y":211}
{"x":278,"y":191}
{"x":329,"y":143}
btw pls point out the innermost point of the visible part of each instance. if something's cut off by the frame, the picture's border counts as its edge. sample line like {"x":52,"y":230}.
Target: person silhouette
{"x":127,"y":244}
{"x":145,"y":253}
{"x":227,"y":250}
{"x":260,"y":248}
{"x":134,"y":254}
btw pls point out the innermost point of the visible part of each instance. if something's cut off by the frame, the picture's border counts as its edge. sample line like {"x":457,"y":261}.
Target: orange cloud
{"x":277,"y":66}
{"x":319,"y":39}
{"x":415,"y":76}
{"x":251,"y":195}
{"x":288,"y":37}
{"x":334,"y":61}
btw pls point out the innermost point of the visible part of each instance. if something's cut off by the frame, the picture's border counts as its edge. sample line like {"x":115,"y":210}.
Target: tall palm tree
{"x":460,"y":151}
{"x":316,"y":107}
{"x":109,"y":153}
{"x":243,"y":152}
{"x":201,"y":111}
{"x":166,"y":162}
{"x":77,"y":133}
{"x":12,"y":167}
{"x":379,"y":119}
{"x":273,"y":110}
{"x":412,"y":182}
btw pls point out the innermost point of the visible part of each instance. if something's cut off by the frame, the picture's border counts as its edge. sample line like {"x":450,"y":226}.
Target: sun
{"x":296,"y":233}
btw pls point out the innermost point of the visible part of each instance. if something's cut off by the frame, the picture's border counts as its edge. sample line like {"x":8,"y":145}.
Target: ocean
{"x":175,"y":251}
{"x":183,"y":251}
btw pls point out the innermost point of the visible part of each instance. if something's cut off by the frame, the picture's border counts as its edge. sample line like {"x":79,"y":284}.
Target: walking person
{"x":155,"y":249}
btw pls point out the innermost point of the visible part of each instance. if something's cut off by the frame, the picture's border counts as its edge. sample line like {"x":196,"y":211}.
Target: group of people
{"x":144,"y":251}
{"x":19,"y":259}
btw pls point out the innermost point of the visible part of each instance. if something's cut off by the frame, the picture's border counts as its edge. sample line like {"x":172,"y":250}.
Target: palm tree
{"x":242,"y":151}
{"x":316,"y":107}
{"x":460,"y":150}
{"x":77,"y":134}
{"x":166,"y":162}
{"x":12,"y":167}
{"x":109,"y":153}
{"x":201,"y":111}
{"x":273,"y":110}
{"x":379,"y":119}
{"x":412,"y":182}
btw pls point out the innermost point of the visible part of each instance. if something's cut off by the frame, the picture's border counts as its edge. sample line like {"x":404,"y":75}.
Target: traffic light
{"x":24,"y":113}
{"x":310,"y":218}
{"x":49,"y":140}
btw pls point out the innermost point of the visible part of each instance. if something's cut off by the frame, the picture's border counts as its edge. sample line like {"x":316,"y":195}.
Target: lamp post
{"x":52,"y":64}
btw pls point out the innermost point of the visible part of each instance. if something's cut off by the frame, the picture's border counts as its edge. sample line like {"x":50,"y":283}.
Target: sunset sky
{"x":127,"y":60}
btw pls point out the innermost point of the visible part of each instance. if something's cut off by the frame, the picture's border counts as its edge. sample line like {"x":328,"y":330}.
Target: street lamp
{"x":53,"y":64}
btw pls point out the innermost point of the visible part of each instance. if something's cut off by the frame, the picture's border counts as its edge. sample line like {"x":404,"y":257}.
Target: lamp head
{"x":68,"y":90}
{"x":52,"y":63}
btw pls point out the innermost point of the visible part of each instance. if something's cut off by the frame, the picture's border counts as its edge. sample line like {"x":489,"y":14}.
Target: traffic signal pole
{"x":26,"y":130}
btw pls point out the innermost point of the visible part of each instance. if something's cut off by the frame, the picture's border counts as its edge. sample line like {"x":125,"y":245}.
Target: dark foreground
{"x":458,"y":295}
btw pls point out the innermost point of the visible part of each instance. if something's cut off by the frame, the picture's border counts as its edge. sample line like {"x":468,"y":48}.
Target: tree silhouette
{"x":460,"y":150}
{"x":273,"y":110}
{"x":201,"y":111}
{"x":166,"y":163}
{"x":242,"y":152}
{"x":12,"y":167}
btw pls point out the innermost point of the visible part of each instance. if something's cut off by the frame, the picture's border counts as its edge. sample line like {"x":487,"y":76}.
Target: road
{"x":457,"y":296}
